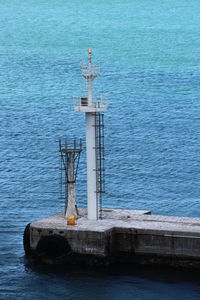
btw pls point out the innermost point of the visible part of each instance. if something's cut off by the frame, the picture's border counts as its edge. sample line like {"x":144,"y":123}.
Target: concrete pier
{"x":121,"y":236}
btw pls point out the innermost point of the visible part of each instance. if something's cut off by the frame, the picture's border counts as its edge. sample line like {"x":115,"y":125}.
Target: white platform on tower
{"x":100,"y":105}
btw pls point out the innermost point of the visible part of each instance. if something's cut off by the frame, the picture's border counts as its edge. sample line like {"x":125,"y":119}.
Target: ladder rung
{"x":99,"y":148}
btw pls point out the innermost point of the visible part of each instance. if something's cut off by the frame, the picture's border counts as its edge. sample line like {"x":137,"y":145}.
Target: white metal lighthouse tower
{"x":93,"y":108}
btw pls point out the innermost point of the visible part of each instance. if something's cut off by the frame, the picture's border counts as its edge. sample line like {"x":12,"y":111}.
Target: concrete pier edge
{"x":122,"y":236}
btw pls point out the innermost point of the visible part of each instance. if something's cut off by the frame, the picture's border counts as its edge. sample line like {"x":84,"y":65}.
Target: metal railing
{"x":98,"y":102}
{"x":88,"y":70}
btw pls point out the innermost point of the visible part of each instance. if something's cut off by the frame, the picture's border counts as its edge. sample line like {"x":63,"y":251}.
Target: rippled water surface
{"x":149,"y":52}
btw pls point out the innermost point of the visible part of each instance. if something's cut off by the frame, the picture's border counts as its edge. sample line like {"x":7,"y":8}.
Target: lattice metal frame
{"x":65,"y":151}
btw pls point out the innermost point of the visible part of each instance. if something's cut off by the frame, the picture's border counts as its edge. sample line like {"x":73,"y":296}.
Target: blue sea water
{"x":150,"y":58}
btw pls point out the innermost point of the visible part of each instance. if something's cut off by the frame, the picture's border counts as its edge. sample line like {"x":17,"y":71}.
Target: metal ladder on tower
{"x":100,"y":159}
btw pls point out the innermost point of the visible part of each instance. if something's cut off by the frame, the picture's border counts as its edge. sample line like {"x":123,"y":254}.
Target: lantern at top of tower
{"x":89,"y":103}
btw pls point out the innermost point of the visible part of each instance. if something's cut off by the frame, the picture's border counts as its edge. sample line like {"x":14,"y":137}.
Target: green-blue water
{"x":150,"y":57}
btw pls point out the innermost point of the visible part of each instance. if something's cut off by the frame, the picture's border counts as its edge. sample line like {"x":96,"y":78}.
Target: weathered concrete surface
{"x":127,"y":236}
